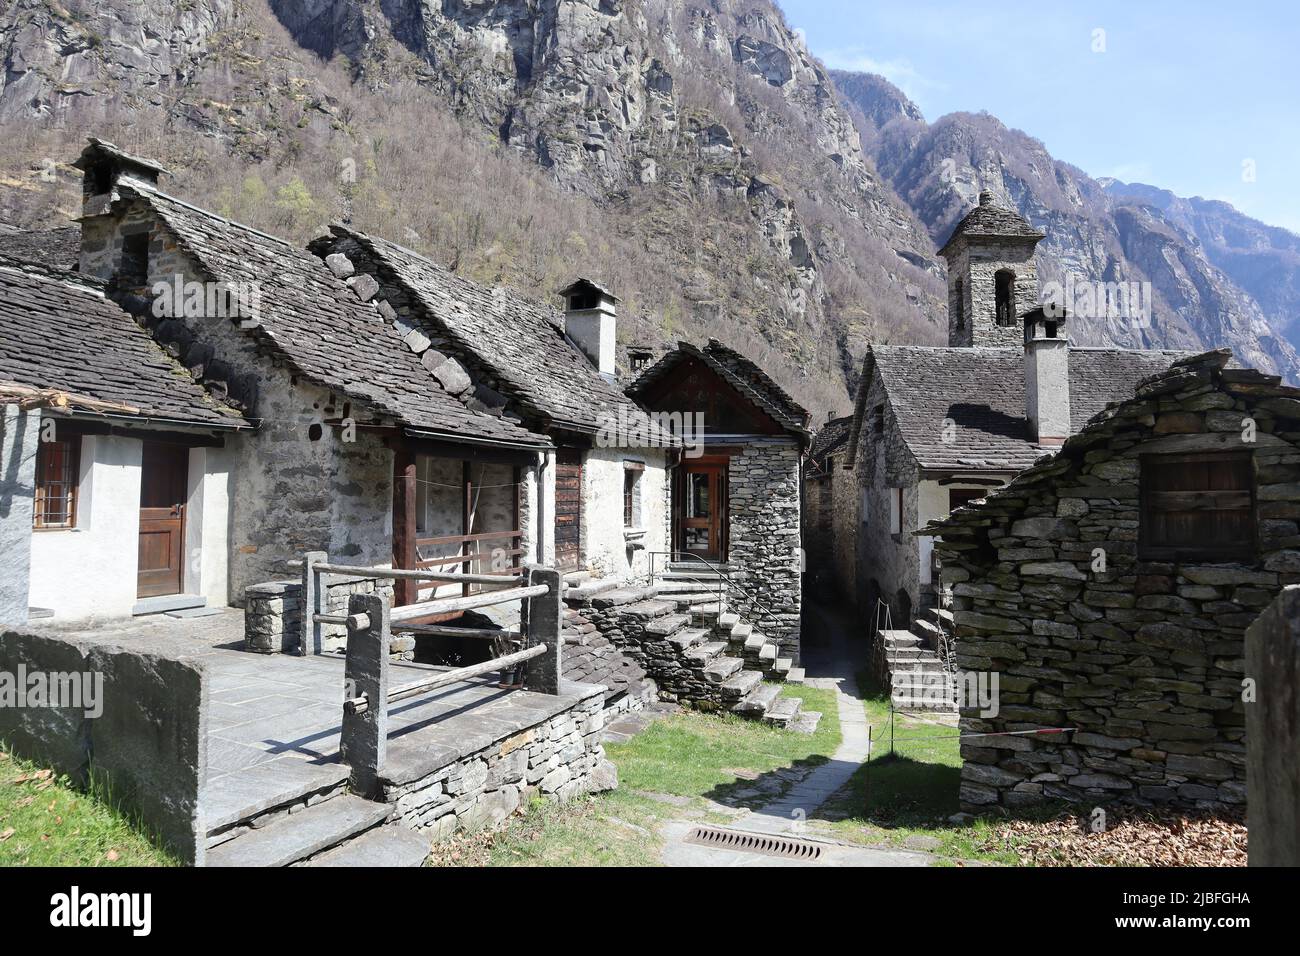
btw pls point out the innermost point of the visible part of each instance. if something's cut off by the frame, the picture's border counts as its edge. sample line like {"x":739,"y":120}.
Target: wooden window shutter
{"x":1198,"y":507}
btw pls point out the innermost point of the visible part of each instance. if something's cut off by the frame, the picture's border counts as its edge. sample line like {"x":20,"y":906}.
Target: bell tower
{"x":992,"y":279}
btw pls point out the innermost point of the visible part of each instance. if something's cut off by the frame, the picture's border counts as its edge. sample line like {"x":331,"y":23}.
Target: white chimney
{"x":590,"y":322}
{"x":1047,"y":375}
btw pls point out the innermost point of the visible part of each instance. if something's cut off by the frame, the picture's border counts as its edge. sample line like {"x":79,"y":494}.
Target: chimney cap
{"x":97,"y":149}
{"x":583,"y":284}
{"x":986,"y":197}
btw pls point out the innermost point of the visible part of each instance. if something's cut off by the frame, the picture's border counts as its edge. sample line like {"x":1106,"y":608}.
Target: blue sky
{"x":1188,"y":96}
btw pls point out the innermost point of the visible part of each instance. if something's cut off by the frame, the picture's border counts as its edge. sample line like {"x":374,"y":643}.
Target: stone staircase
{"x":311,"y":821}
{"x":915,"y":673}
{"x":713,"y":659}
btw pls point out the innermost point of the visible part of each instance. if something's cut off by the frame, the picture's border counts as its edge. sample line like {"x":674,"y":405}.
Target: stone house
{"x":935,"y":427}
{"x":603,"y":503}
{"x":103,"y":434}
{"x":1109,"y":587}
{"x":337,"y":400}
{"x":735,"y":494}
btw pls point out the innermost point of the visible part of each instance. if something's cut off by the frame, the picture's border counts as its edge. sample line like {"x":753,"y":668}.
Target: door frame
{"x":717,"y":467}
{"x":173,"y":514}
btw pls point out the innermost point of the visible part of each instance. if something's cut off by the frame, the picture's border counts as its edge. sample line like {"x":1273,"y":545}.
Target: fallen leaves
{"x":1132,"y":837}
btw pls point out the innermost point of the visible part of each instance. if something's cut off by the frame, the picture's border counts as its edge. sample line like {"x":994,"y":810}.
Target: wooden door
{"x":568,"y":508}
{"x":701,"y":510}
{"x":164,"y":480}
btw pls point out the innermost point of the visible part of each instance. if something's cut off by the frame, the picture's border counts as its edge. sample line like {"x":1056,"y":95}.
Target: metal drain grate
{"x":755,"y":843}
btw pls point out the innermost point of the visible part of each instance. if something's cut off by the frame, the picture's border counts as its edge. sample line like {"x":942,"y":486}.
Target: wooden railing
{"x":371,"y":621}
{"x":468,"y":544}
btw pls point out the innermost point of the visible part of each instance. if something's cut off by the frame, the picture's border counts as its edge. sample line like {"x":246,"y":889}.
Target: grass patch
{"x":905,"y":799}
{"x":46,"y":821}
{"x":686,"y":759}
{"x":697,"y":755}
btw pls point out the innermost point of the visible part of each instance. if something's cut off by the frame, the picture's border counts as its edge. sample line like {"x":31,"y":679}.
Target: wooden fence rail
{"x":370,"y":621}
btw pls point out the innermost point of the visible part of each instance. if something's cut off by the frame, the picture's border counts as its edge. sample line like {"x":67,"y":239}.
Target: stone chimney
{"x":1047,"y":375}
{"x":102,"y":164}
{"x":590,"y":322}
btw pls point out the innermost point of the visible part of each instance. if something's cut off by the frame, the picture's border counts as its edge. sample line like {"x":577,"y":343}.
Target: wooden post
{"x":542,"y":674}
{"x":313,"y":602}
{"x":404,"y":550}
{"x":1273,"y":732}
{"x":363,"y":742}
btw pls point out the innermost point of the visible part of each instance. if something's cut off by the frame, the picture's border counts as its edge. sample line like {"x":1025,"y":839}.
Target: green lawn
{"x":907,"y":795}
{"x":674,"y":768}
{"x":44,"y":821}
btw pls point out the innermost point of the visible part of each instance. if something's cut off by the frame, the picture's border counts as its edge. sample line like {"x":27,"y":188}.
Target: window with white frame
{"x":632,"y":474}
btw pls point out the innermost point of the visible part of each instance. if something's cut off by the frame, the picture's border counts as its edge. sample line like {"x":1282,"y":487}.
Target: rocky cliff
{"x":1212,"y":273}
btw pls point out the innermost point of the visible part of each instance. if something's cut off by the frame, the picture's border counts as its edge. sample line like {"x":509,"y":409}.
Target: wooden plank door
{"x":164,"y":481}
{"x":568,"y":508}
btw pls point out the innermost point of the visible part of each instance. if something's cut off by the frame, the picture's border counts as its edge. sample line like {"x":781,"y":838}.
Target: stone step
{"x":711,"y":610}
{"x":619,"y":596}
{"x":587,"y":590}
{"x":577,"y":577}
{"x":663,"y":626}
{"x":740,"y":684}
{"x":795,"y":676}
{"x":392,"y":845}
{"x":782,"y":711}
{"x":695,"y":568}
{"x":687,"y":587}
{"x":705,"y":652}
{"x":266,"y":788}
{"x":941,"y":616}
{"x":691,"y":637}
{"x":737,"y":632}
{"x":781,"y":666}
{"x":755,"y":643}
{"x":299,"y":835}
{"x":720,"y":668}
{"x":648,"y":610}
{"x":757,"y":701}
{"x":899,"y":638}
{"x":927,"y":631}
{"x":729,"y":622}
{"x":805,"y":722}
{"x":767,"y":654}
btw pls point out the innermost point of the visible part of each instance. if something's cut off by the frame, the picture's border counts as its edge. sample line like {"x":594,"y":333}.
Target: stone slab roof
{"x":989,"y":219}
{"x":58,"y":249}
{"x":1189,"y":373}
{"x":982,"y":390}
{"x":830,"y":437}
{"x":742,"y":374}
{"x":319,"y":325}
{"x":518,"y":341}
{"x":58,"y":331}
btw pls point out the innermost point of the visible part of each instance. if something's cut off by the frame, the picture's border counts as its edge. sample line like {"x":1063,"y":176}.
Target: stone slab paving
{"x":274,"y":720}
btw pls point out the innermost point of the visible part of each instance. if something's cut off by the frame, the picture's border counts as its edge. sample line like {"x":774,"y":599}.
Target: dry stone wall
{"x":1144,"y":657}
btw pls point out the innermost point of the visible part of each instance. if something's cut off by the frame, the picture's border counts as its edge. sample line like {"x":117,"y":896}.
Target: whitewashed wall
{"x":605,"y":540}
{"x":90,"y":571}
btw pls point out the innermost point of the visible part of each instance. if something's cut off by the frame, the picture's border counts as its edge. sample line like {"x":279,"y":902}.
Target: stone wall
{"x":19,"y":437}
{"x":558,"y":758}
{"x":764,"y":546}
{"x":298,"y":486}
{"x":273,"y":615}
{"x":1143,"y":656}
{"x":147,"y":746}
{"x":1273,"y":719}
{"x":644,"y":631}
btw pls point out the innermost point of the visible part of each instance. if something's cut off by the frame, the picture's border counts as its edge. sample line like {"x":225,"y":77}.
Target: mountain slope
{"x":1096,"y":232}
{"x":693,"y":156}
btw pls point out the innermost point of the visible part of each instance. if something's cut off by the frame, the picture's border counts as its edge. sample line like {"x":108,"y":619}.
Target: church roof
{"x":963,"y":409}
{"x":989,"y":219}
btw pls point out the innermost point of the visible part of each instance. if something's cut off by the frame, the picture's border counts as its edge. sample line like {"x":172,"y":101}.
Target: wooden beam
{"x":404,"y":508}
